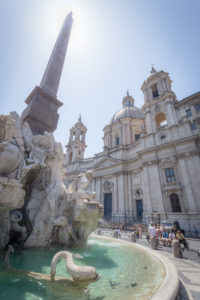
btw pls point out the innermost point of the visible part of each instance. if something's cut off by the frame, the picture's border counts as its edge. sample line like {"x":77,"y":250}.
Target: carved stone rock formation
{"x":35,"y":207}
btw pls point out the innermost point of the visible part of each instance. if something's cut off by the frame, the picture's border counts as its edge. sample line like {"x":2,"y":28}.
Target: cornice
{"x":188,"y":99}
{"x":170,"y":95}
{"x":168,"y":144}
{"x":41,"y":91}
{"x":76,"y":142}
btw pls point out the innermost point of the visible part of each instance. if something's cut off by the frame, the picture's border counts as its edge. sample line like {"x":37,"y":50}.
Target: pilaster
{"x":187,"y":186}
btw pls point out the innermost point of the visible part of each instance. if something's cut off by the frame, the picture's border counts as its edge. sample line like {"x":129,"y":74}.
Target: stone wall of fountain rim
{"x":171,"y":281}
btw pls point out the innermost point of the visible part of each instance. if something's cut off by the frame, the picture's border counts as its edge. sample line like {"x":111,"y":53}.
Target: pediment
{"x":106,"y":162}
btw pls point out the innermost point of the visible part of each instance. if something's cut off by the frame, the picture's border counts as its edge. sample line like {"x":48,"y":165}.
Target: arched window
{"x":81,"y":136}
{"x":175,"y":204}
{"x":117,"y":140}
{"x":70,"y":157}
{"x":154,"y":89}
{"x":161,"y":119}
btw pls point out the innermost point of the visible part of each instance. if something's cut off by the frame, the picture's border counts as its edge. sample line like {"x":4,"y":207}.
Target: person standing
{"x":181,"y":238}
{"x":170,"y":239}
{"x":152,"y":230}
{"x":140,"y":232}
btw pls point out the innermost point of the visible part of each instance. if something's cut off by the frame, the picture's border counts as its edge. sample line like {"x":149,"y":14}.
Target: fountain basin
{"x":128,"y":271}
{"x":168,"y":290}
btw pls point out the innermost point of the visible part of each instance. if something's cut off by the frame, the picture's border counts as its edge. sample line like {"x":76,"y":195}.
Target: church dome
{"x":128,"y":110}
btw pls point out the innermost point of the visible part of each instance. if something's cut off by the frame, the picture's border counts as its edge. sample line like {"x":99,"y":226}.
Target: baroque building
{"x":150,"y":164}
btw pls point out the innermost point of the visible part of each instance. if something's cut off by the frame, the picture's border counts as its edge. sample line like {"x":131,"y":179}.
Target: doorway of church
{"x":108,"y":206}
{"x":139,"y":207}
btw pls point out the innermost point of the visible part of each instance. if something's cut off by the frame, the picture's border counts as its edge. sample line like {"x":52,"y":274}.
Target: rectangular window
{"x":197,"y":106}
{"x":193,"y":126}
{"x":137,"y":136}
{"x":139,"y":207}
{"x":188,"y":112}
{"x":117,"y":141}
{"x":154,"y":89}
{"x":108,"y":206}
{"x":169,"y":172}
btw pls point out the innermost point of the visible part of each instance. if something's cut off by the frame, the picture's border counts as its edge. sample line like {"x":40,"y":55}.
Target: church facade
{"x":150,"y":165}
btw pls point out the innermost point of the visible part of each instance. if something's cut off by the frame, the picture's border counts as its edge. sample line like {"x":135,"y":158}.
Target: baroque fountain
{"x":42,"y":219}
{"x":45,"y":221}
{"x":36,"y":209}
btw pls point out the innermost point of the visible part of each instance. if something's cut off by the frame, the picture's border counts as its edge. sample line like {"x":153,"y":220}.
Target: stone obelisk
{"x":42,"y":104}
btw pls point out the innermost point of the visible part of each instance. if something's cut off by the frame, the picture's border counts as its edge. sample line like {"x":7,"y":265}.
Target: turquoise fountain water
{"x":126,"y":273}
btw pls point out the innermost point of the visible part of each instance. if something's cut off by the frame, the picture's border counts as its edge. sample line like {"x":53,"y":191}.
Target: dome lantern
{"x":128,"y":100}
{"x":128,"y":110}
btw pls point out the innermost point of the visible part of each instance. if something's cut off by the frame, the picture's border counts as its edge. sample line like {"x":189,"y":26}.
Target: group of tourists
{"x":165,"y":236}
{"x":137,"y":232}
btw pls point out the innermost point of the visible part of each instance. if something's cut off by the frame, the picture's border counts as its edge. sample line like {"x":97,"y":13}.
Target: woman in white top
{"x":170,"y":239}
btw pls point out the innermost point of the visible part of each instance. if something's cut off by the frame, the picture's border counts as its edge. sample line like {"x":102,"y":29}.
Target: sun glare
{"x":80,"y":28}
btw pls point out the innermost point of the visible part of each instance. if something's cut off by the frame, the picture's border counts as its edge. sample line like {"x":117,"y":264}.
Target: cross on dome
{"x":79,"y":118}
{"x":152,"y":70}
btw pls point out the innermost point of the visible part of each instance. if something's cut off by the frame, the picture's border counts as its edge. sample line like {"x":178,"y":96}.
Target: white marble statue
{"x":81,"y":184}
{"x":80,"y":274}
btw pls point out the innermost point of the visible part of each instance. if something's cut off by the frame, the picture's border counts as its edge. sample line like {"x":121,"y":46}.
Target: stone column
{"x":98,"y":190}
{"x":145,"y":96}
{"x":105,"y":139}
{"x":123,"y":134}
{"x":130,"y":194}
{"x":114,"y":196}
{"x":171,"y":115}
{"x":113,"y":140}
{"x":156,"y":189}
{"x":160,"y":90}
{"x":149,"y":122}
{"x":110,"y":139}
{"x":128,"y":130}
{"x":78,"y":133}
{"x":187,"y":187}
{"x":126,"y":133}
{"x":75,"y":152}
{"x":149,"y":94}
{"x":71,"y":136}
{"x":83,"y":137}
{"x":92,"y":186}
{"x":126,"y":195}
{"x":101,"y":192}
{"x":147,"y":191}
{"x":121,"y":194}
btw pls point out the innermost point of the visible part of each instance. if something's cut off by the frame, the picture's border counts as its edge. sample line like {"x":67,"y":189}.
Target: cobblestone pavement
{"x":188,"y":267}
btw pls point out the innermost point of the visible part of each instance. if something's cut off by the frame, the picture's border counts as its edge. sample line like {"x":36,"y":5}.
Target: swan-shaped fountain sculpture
{"x":80,"y":274}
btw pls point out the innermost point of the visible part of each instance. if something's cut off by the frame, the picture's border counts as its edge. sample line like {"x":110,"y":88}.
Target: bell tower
{"x":159,"y":100}
{"x":76,"y":145}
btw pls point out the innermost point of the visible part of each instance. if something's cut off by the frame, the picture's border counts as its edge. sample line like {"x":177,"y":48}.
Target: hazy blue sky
{"x":113,"y":44}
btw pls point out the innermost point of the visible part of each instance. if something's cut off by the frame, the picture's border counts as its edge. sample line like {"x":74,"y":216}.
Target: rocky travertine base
{"x":35,"y":207}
